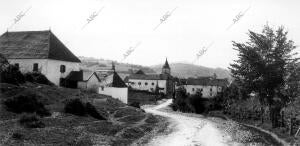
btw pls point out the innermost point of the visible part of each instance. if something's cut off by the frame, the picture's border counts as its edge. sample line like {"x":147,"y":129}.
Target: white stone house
{"x":149,"y":82}
{"x":112,"y":85}
{"x":39,"y":51}
{"x":90,"y":81}
{"x":208,"y":86}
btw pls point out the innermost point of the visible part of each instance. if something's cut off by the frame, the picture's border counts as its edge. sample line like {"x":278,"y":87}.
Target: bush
{"x":17,"y":136}
{"x":199,"y":104}
{"x":181,"y":101}
{"x":37,"y":77}
{"x":75,"y":106}
{"x":92,"y":111}
{"x":31,"y":121}
{"x":28,"y":104}
{"x":11,"y":74}
{"x":135,"y":104}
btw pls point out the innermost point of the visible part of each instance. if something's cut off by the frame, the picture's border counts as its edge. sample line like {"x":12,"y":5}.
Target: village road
{"x":188,"y":130}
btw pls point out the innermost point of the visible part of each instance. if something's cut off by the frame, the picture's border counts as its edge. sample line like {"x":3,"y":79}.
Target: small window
{"x":210,"y":89}
{"x":146,"y":83}
{"x":62,"y":68}
{"x":102,"y":88}
{"x":132,"y":83}
{"x":139,"y":83}
{"x":35,"y":67}
{"x":193,"y":89}
{"x":210,"y":94}
{"x":152,"y":84}
{"x":17,"y":66}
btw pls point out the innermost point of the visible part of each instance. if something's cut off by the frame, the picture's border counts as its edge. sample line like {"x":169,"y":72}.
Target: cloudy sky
{"x":122,"y":24}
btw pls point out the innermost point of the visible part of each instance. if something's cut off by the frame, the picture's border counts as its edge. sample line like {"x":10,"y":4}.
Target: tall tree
{"x":265,"y":65}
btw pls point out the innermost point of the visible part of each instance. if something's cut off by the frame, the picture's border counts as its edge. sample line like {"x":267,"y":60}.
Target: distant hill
{"x":92,"y":64}
{"x":186,"y":70}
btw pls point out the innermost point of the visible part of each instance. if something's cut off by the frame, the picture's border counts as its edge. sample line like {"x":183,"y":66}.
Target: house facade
{"x":149,"y":82}
{"x":208,"y":86}
{"x":39,"y":51}
{"x":90,"y":81}
{"x":112,"y":85}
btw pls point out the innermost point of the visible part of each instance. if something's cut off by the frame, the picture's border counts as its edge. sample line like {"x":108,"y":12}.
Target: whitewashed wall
{"x":50,"y":68}
{"x":161,"y":84}
{"x":206,"y":90}
{"x":53,"y":70}
{"x":82,"y":85}
{"x":118,"y":93}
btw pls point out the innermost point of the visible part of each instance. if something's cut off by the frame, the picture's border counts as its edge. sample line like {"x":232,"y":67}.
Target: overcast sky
{"x":121,"y":24}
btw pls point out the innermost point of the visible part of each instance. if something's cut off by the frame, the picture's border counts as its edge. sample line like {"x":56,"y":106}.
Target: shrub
{"x":37,"y":77}
{"x":28,"y":104}
{"x":17,"y":136}
{"x":135,"y":104}
{"x":76,"y":107}
{"x":31,"y":121}
{"x":181,"y":101}
{"x":199,"y":104}
{"x":11,"y":74}
{"x":92,"y":111}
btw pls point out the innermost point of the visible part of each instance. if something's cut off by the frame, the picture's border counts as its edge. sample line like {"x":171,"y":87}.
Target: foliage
{"x":190,"y":103}
{"x":37,"y":77}
{"x":92,"y":111}
{"x":11,"y":74}
{"x":181,"y":101}
{"x":198,"y":104}
{"x":28,"y":104}
{"x":135,"y":104}
{"x":75,"y":106}
{"x":17,"y":136}
{"x":264,"y":66}
{"x":31,"y":121}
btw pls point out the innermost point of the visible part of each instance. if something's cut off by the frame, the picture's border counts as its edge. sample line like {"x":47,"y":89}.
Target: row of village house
{"x":42,"y":51}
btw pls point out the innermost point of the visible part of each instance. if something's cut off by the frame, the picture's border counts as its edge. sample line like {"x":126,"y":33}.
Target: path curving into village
{"x":196,"y":130}
{"x":187,"y":130}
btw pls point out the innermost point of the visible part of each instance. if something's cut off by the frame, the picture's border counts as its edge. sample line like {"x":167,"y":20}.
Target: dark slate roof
{"x":117,"y":81}
{"x":149,"y":77}
{"x":166,"y":65}
{"x":114,"y":80}
{"x":207,"y":81}
{"x":140,"y":72}
{"x":34,"y":45}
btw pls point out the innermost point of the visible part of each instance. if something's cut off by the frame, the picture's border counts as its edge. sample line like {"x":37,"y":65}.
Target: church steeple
{"x":113,"y":66}
{"x":166,"y":68}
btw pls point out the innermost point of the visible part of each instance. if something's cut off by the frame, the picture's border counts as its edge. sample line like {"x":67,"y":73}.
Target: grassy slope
{"x":124,"y":125}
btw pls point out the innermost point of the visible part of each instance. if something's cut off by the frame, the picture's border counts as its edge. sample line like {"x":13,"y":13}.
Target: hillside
{"x":123,"y":125}
{"x":189,"y":70}
{"x":89,"y":63}
{"x":177,"y":69}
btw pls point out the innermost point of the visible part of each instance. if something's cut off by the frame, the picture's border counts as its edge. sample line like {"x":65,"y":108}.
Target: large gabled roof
{"x":34,"y":45}
{"x":207,"y":81}
{"x":149,"y":77}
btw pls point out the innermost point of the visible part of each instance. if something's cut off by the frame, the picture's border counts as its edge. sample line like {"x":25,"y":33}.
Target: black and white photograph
{"x":149,"y":73}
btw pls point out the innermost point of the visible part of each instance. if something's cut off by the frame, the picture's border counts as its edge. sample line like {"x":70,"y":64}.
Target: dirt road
{"x":193,"y":130}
